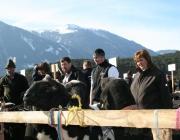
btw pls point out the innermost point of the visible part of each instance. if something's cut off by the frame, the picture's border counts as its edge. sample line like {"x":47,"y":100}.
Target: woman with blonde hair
{"x":149,"y":87}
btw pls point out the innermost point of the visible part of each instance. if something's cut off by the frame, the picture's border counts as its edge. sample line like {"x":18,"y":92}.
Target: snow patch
{"x":63,"y":29}
{"x":50,"y":49}
{"x":28,"y":41}
{"x":28,"y":65}
{"x":99,"y":33}
{"x":66,"y":48}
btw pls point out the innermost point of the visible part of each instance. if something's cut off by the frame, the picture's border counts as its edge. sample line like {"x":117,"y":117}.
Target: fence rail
{"x":124,"y":118}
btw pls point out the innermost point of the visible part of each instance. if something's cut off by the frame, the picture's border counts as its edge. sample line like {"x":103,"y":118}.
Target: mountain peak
{"x":68,"y":28}
{"x":63,"y":29}
{"x":52,"y":44}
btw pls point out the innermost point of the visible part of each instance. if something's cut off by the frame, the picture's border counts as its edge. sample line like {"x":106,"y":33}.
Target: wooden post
{"x":172,"y":67}
{"x":54,"y":68}
{"x":54,"y":71}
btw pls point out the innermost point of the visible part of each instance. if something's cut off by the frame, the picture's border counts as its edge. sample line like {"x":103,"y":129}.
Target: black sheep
{"x":47,"y":94}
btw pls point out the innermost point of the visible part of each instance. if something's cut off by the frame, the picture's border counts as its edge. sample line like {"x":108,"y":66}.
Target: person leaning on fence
{"x":40,"y":70}
{"x":149,"y":87}
{"x":12,"y":87}
{"x":103,"y":69}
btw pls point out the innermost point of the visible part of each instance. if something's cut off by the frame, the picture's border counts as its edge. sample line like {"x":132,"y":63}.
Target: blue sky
{"x":155,"y":24}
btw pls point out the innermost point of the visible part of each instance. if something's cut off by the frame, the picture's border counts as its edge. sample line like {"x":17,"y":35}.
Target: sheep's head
{"x":79,"y":88}
{"x":115,"y":94}
{"x":44,"y":94}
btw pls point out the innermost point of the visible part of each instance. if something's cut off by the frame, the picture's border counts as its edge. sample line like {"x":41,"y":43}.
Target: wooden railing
{"x":124,"y":118}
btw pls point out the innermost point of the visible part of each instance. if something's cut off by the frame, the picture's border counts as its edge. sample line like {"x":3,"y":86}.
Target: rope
{"x":177,"y":124}
{"x":74,"y":110}
{"x":59,"y":119}
{"x":50,"y":116}
{"x":156,"y":124}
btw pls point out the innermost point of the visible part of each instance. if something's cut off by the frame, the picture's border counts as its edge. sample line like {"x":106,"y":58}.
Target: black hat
{"x":129,"y":73}
{"x":98,"y":52}
{"x":10,"y":64}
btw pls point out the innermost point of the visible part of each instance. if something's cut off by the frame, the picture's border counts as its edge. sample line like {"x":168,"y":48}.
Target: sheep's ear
{"x":105,"y":81}
{"x":73,"y":83}
{"x":47,"y":78}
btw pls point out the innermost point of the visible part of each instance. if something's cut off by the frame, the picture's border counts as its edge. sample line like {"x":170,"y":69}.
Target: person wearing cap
{"x":103,"y":69}
{"x":13,"y":84}
{"x":128,"y":78}
{"x":12,"y":87}
{"x":40,"y":70}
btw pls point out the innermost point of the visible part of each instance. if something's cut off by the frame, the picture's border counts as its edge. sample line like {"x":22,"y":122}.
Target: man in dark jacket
{"x":169,"y":82}
{"x":70,"y":72}
{"x":12,"y":87}
{"x":103,"y":69}
{"x":87,"y":69}
{"x":128,"y":79}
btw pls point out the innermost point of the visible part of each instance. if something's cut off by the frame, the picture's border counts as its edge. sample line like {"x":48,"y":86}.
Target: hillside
{"x":31,"y":47}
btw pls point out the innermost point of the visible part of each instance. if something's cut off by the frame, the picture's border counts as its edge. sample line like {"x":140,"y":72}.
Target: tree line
{"x":162,"y":61}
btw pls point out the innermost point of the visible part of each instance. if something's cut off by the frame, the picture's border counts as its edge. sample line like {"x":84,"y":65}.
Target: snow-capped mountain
{"x":30,"y":49}
{"x":90,"y":39}
{"x":33,"y":46}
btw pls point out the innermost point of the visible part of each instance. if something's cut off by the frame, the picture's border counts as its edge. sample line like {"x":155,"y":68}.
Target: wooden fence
{"x":124,"y":118}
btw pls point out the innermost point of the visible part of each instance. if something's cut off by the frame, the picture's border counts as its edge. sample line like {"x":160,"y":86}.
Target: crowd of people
{"x":149,"y":86}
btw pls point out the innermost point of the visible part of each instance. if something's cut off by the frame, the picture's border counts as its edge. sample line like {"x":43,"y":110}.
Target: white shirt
{"x":112,"y":72}
{"x":66,"y":78}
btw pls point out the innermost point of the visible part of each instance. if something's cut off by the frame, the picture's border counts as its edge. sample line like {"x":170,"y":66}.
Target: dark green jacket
{"x":12,"y":89}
